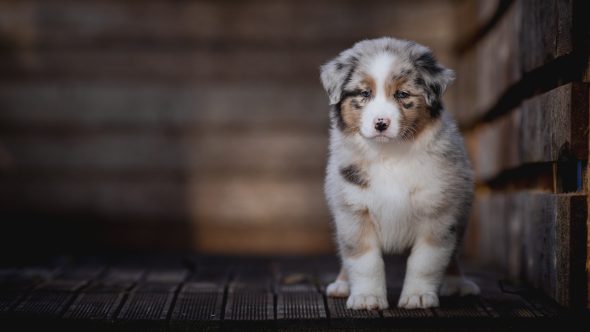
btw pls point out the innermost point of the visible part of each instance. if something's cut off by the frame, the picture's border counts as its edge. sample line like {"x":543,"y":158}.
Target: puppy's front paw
{"x":338,"y":288}
{"x":453,"y":285}
{"x":418,"y":301}
{"x":367,"y":301}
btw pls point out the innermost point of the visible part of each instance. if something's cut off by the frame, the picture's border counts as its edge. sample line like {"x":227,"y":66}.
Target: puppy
{"x":398,"y":177}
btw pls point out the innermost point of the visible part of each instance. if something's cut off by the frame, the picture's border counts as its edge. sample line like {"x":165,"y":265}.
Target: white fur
{"x":396,"y":170}
{"x":367,"y":282}
{"x":338,"y":288}
{"x":380,"y":106}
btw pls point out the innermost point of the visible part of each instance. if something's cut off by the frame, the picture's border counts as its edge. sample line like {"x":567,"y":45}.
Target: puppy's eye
{"x":401,"y":94}
{"x":366,"y":93}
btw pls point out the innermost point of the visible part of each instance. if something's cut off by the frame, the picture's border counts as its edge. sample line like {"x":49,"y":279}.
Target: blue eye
{"x":401,"y":94}
{"x":366,"y":93}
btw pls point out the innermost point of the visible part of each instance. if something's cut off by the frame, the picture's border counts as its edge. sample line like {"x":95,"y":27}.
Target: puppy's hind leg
{"x":340,"y":286}
{"x":454,"y":283}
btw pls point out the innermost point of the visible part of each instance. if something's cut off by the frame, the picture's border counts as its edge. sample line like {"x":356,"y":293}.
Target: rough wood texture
{"x":300,"y":305}
{"x":542,"y":232}
{"x":198,"y":304}
{"x":542,"y":129}
{"x":524,"y":105}
{"x":298,"y":297}
{"x":496,"y":59}
{"x":141,"y":307}
{"x":94,"y":306}
{"x":467,"y":307}
{"x":44,"y":304}
{"x":251,"y":304}
{"x":528,"y":36}
{"x":547,"y":29}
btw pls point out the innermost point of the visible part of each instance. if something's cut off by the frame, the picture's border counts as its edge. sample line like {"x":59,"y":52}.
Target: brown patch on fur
{"x":351,"y":107}
{"x":414,"y":111}
{"x":355,"y":175}
{"x":350,"y":113}
{"x":361,"y":243}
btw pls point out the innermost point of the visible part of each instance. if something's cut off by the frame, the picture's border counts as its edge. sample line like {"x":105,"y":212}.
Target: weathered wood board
{"x":540,"y":130}
{"x":540,"y":233}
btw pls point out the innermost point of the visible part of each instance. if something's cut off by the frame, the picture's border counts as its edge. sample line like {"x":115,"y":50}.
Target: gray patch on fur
{"x":354,"y":175}
{"x":448,"y":147}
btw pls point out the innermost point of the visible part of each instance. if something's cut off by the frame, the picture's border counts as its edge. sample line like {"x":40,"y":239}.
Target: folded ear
{"x":435,"y":76}
{"x":335,"y":73}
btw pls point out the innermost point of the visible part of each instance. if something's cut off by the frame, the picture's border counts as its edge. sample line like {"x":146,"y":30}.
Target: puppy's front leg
{"x":425,"y":270}
{"x":361,"y":256}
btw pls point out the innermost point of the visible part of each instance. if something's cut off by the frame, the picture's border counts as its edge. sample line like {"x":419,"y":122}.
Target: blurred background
{"x":178,"y":124}
{"x":202,"y":126}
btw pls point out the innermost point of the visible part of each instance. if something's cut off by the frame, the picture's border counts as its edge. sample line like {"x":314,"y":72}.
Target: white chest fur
{"x":399,"y":194}
{"x":404,"y":187}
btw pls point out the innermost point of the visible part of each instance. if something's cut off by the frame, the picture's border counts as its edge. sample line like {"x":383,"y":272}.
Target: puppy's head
{"x":385,"y":89}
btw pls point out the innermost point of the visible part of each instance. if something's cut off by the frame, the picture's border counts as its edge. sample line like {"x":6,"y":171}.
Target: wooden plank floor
{"x":187,"y":293}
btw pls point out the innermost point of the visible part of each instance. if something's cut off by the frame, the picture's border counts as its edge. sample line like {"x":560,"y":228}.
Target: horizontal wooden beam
{"x":544,"y":128}
{"x":530,"y":35}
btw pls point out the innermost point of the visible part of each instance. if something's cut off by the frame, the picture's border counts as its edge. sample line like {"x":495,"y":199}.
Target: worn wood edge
{"x":523,"y":132}
{"x":569,"y":60}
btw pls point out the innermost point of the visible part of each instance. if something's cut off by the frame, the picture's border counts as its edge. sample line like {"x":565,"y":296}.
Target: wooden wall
{"x":522,"y":101}
{"x":178,"y":124}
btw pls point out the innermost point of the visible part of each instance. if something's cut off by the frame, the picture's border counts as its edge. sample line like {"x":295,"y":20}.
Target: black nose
{"x":381,"y":125}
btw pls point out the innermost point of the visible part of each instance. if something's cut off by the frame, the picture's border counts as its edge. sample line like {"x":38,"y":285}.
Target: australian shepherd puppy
{"x":398,"y":178}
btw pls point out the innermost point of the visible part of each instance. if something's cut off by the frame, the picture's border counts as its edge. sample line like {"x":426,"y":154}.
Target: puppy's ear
{"x":436,"y":78}
{"x":335,"y":73}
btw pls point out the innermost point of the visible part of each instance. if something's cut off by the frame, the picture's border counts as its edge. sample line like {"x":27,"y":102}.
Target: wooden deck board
{"x":44,"y":305}
{"x":246,"y":305}
{"x":460,"y":307}
{"x":301,"y":305}
{"x":8,"y":300}
{"x":94,"y":306}
{"x":146,"y":306}
{"x":243,"y":294}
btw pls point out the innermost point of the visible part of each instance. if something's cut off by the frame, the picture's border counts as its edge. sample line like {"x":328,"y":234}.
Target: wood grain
{"x":248,"y":302}
{"x":496,"y":59}
{"x":540,"y":234}
{"x":541,"y":129}
{"x":530,"y":35}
